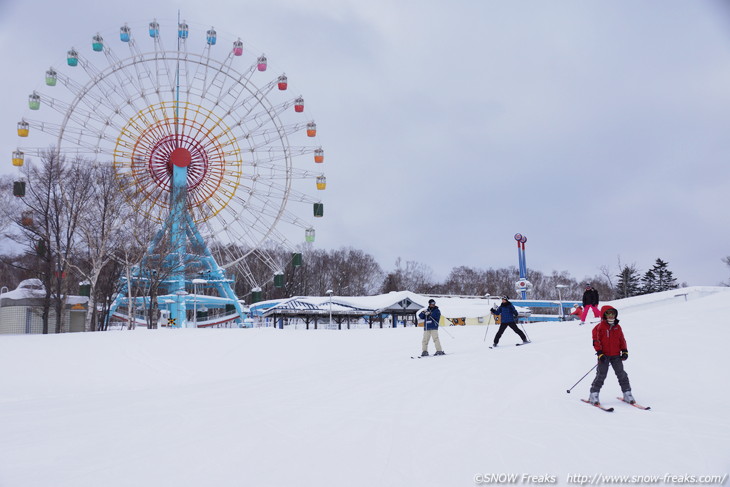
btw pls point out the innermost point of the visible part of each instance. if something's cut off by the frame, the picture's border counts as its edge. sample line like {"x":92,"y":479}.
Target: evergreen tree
{"x":664,"y":277}
{"x":629,"y":282}
{"x":648,"y":282}
{"x":658,"y":278}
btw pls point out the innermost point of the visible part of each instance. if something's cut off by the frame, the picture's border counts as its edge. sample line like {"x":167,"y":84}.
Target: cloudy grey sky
{"x":597,"y":129}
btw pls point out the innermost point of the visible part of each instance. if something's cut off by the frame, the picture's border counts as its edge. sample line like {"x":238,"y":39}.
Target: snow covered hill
{"x":268,"y":407}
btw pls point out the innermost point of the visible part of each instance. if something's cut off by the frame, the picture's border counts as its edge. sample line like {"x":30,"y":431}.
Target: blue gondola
{"x":125,"y":33}
{"x":182,"y":30}
{"x":72,"y":57}
{"x":97,"y":43}
{"x":211,"y":36}
{"x":154,"y":29}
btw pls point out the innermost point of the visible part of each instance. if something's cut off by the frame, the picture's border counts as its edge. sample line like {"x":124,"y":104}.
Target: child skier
{"x":610,"y":346}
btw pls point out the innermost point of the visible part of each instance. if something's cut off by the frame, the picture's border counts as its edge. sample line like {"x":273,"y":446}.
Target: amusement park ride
{"x":205,"y":147}
{"x":522,"y":285}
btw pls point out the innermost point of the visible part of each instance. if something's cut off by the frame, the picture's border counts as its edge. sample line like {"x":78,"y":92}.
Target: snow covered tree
{"x":47,"y":223}
{"x":629,"y":282}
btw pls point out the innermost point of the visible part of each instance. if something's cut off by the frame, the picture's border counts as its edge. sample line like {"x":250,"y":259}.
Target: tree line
{"x":74,"y":225}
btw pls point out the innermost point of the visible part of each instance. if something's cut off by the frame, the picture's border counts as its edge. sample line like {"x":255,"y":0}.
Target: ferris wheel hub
{"x":181,"y":157}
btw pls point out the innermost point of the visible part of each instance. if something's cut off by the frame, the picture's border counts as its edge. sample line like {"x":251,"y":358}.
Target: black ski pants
{"x":514,"y":328}
{"x":602,"y":372}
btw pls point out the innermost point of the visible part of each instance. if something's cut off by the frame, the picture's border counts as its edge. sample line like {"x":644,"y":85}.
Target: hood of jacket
{"x":606,"y":308}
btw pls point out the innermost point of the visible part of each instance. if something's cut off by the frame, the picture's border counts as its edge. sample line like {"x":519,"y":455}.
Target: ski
{"x":608,"y":410}
{"x":426,"y":356}
{"x":645,"y":408}
{"x":519,"y":344}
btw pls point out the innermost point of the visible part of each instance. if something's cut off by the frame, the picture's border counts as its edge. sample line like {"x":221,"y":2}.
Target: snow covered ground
{"x":266,"y":407}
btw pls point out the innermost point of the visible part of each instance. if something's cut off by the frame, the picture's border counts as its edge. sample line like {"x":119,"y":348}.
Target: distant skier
{"x":507,"y":318}
{"x":577,"y":311}
{"x":590,"y":302}
{"x":610,"y":346}
{"x":431,"y":318}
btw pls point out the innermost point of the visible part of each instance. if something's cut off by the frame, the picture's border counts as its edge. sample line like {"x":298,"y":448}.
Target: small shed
{"x":21,"y":310}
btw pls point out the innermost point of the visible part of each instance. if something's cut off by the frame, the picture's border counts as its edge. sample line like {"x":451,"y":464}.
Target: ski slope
{"x":319,"y":408}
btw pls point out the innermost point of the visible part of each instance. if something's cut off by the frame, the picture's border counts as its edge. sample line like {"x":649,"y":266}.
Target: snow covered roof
{"x":32,"y":289}
{"x":397,"y":301}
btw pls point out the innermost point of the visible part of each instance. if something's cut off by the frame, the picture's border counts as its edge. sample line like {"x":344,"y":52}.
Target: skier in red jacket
{"x":610,"y":346}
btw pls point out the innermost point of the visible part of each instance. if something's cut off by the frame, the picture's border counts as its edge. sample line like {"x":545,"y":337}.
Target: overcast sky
{"x":597,"y":129}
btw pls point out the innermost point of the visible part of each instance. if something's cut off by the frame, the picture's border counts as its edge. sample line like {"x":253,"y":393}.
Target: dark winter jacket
{"x":507,"y":313}
{"x":590,"y":297}
{"x":609,"y":339}
{"x":432,"y":316}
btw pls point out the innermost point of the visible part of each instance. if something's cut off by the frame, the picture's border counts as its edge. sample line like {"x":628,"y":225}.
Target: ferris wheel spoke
{"x":265,"y":116}
{"x":264,"y":208}
{"x":88,"y":98}
{"x":269,"y":260}
{"x":256,"y":94}
{"x":270,"y":156}
{"x":124,"y":77}
{"x":276,"y":171}
{"x":80,"y":115}
{"x":242,"y":233}
{"x":299,"y":196}
{"x":221,"y":78}
{"x":77,"y":135}
{"x":201,"y":74}
{"x":143,"y":73}
{"x":163,"y":71}
{"x":99,"y":80}
{"x":230,"y":96}
{"x":264,"y":138}
{"x":256,"y":121}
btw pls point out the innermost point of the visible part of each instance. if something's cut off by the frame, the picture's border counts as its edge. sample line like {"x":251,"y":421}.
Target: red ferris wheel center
{"x":180,"y":157}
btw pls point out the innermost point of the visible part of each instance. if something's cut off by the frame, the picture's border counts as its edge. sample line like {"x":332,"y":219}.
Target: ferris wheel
{"x":150,"y":99}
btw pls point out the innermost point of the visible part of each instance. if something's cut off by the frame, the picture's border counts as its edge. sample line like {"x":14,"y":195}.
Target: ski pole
{"x":568,"y":391}
{"x":452,"y":336}
{"x":489,"y":321}
{"x":523,"y":330}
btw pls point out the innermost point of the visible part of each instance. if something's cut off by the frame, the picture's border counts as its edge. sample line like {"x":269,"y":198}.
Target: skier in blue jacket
{"x":508,"y":317}
{"x":431,"y":318}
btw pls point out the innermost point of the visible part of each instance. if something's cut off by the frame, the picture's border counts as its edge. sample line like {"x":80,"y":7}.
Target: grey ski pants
{"x":602,"y":372}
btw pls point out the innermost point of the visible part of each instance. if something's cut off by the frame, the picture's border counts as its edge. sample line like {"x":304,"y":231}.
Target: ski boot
{"x":593,"y":398}
{"x":629,"y":398}
{"x":440,"y":352}
{"x":424,"y":353}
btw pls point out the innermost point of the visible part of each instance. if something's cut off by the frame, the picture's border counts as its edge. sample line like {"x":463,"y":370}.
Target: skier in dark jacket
{"x":610,"y":346}
{"x":431,"y":318}
{"x":590,"y":302}
{"x":507,"y":318}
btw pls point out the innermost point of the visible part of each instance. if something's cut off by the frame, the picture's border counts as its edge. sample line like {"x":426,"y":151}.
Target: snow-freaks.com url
{"x":668,"y":479}
{"x":600,"y":479}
